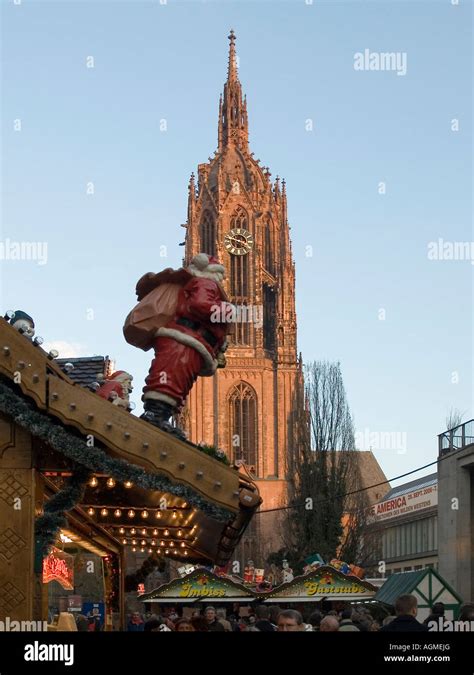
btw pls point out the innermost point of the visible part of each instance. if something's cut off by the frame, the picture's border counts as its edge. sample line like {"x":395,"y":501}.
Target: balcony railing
{"x":457,"y":438}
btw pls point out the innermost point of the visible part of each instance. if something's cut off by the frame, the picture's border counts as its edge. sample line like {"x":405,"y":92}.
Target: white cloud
{"x":66,"y":349}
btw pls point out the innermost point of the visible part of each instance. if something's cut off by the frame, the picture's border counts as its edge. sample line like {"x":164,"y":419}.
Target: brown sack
{"x":153,"y":311}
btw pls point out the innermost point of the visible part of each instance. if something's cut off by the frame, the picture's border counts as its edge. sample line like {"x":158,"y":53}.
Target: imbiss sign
{"x":411,"y":502}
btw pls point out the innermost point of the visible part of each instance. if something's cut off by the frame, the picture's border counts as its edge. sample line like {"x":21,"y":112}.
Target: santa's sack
{"x":153,"y":311}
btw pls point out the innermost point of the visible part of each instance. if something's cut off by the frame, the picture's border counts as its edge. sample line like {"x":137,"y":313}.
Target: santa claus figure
{"x":117,"y":388}
{"x":184,"y":315}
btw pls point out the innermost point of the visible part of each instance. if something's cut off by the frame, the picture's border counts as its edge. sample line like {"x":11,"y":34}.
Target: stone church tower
{"x":238,"y":214}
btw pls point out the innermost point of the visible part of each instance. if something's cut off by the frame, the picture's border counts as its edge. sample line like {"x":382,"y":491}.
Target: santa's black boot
{"x":158,"y":413}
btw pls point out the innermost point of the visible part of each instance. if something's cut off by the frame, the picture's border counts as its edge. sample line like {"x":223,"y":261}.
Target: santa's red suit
{"x":190,"y":344}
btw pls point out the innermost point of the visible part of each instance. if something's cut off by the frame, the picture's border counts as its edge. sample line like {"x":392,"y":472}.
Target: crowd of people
{"x":270,"y":618}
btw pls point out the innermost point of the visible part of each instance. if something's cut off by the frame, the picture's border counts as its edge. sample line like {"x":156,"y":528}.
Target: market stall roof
{"x":200,"y":585}
{"x":427,"y":585}
{"x":209,"y":501}
{"x":325,"y":583}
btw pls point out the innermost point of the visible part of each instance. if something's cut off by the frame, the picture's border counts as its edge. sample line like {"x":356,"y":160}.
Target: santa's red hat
{"x":207,"y":263}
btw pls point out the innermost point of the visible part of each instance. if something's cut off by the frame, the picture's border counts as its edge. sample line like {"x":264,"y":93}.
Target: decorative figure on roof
{"x":249,"y":572}
{"x":184,"y":315}
{"x":117,"y":388}
{"x":287,"y":571}
{"x":22,"y":322}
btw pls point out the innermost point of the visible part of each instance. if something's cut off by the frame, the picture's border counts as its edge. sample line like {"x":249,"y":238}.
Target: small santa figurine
{"x":287,"y":572}
{"x":184,"y":315}
{"x":22,"y":322}
{"x":117,"y":388}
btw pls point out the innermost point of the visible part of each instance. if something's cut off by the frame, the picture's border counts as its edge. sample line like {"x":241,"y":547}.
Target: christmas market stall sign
{"x":325,"y":583}
{"x":59,"y":566}
{"x":201,"y":584}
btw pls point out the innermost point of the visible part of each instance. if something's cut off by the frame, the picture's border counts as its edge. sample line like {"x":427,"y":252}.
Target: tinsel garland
{"x":138,"y":577}
{"x":94,"y":458}
{"x":53,"y":519}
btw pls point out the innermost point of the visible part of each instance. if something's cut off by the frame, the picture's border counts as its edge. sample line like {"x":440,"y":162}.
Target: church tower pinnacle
{"x":233,"y":120}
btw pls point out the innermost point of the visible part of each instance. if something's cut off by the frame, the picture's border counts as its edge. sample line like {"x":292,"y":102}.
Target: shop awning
{"x":427,"y":585}
{"x":200,"y":585}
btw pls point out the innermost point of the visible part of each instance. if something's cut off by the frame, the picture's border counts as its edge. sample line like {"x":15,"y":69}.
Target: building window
{"x":418,"y":567}
{"x":269,"y":318}
{"x":269,"y":252}
{"x":243,"y":425}
{"x":208,"y":234}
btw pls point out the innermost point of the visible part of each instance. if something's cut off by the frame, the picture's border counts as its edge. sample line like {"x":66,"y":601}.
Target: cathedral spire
{"x":233,"y":121}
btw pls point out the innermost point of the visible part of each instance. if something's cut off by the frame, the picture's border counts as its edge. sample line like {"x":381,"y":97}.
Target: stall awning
{"x":200,"y":585}
{"x":427,"y":585}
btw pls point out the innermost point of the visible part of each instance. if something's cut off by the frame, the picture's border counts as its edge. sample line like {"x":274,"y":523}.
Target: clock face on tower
{"x":238,"y":241}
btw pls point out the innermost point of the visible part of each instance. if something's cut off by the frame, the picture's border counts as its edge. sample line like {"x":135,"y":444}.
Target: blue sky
{"x":168,"y":61}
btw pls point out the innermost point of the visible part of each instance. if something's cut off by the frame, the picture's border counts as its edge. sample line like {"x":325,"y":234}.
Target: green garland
{"x":53,"y":519}
{"x":213,"y":452}
{"x":96,"y":459}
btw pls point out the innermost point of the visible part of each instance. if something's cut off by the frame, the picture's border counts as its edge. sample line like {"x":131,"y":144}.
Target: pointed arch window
{"x":240,"y":281}
{"x":269,"y":249}
{"x":208,"y":234}
{"x":243,"y":425}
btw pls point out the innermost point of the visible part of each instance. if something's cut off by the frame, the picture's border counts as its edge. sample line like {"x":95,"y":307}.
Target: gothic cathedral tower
{"x":236,"y":213}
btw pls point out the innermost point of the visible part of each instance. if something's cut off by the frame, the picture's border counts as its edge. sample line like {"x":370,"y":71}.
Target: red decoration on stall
{"x":59,"y":566}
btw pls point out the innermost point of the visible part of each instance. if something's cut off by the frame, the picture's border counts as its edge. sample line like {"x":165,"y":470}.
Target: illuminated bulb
{"x":143,"y":542}
{"x":158,"y":514}
{"x":128,"y":483}
{"x":184,"y":505}
{"x":124,"y":541}
{"x":90,"y":511}
{"x":134,"y":542}
{"x":93,"y":482}
{"x":117,"y":513}
{"x":162,"y":543}
{"x":131,"y":513}
{"x":104,"y":512}
{"x":175,"y":551}
{"x":145,"y":514}
{"x":180,"y":533}
{"x":110,"y":482}
{"x":175,"y":515}
{"x":133,"y":531}
{"x":134,"y":549}
{"x":150,"y":550}
{"x":166,"y":552}
{"x":144,"y":531}
{"x":166,"y":533}
{"x":158,"y":550}
{"x":183,"y":544}
{"x":122,"y":530}
{"x":171,"y":544}
{"x":185,"y":553}
{"x":153,"y":543}
{"x":142,"y":550}
{"x":155,"y":533}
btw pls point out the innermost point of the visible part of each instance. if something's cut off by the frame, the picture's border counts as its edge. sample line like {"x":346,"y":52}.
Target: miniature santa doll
{"x":117,"y":388}
{"x":188,"y":313}
{"x":22,"y":322}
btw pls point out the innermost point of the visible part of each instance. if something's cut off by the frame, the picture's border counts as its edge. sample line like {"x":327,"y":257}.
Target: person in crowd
{"x":329,"y":624}
{"x":290,"y":620}
{"x":220,"y":614}
{"x":406,"y":609}
{"x":274,"y":614}
{"x":184,"y":626}
{"x":213,"y":624}
{"x":152,"y":626}
{"x":388,"y":619}
{"x":199,"y":624}
{"x":136,"y":623}
{"x":315,"y":620}
{"x":82,"y":623}
{"x":263,"y":622}
{"x":346,"y":623}
{"x":467,"y":612}
{"x":437,"y":613}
